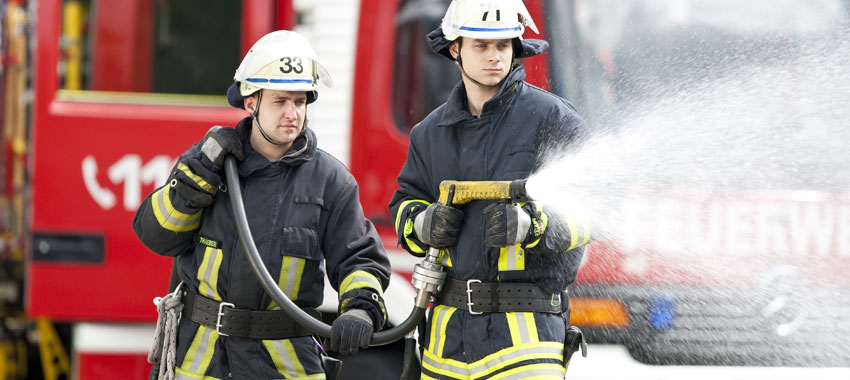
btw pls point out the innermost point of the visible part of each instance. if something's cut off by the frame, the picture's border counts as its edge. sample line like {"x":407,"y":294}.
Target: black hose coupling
{"x":517,"y":189}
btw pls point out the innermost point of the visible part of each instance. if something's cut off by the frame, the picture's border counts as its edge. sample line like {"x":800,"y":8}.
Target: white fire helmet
{"x":486,"y":19}
{"x":281,"y":60}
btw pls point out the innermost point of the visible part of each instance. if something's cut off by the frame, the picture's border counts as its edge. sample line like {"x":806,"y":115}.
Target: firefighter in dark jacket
{"x":304,"y":212}
{"x":492,"y":127}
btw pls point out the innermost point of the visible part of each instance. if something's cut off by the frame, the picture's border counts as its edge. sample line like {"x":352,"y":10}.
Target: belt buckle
{"x":221,"y":313}
{"x":469,"y":302}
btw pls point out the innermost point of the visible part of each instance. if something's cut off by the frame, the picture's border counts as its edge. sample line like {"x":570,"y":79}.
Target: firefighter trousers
{"x":516,"y":345}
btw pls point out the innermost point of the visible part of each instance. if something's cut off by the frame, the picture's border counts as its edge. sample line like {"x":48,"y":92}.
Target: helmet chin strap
{"x":260,"y":127}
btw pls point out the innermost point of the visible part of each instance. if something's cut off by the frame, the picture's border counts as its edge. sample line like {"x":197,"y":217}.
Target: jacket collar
{"x":303,"y":149}
{"x":457,"y":109}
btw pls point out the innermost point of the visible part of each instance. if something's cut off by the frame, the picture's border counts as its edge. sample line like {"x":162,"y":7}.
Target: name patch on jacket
{"x":212,"y":243}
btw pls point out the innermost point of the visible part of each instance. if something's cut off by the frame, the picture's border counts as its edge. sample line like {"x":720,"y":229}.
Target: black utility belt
{"x":244,"y":323}
{"x":495,"y":297}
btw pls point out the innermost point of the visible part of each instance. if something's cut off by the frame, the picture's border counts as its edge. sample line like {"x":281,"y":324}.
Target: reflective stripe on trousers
{"x":508,"y":345}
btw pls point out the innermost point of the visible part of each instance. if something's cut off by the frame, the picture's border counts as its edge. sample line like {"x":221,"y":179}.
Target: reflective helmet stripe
{"x":471,"y":29}
{"x":264,"y":80}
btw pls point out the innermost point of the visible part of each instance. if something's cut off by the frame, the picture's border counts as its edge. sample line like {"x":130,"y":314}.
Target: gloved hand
{"x":507,"y":224}
{"x":351,"y":332}
{"x":438,"y":226}
{"x":198,"y":172}
{"x":218,"y":143}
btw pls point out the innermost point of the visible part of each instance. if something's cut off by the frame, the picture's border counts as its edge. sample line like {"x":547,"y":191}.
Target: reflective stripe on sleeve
{"x":359,"y":280}
{"x":170,"y":218}
{"x":408,"y":229}
{"x":586,"y":238}
{"x":408,"y":223}
{"x":576,"y":239}
{"x":573,"y":235}
{"x":403,"y":207}
{"x":198,"y":180}
{"x":543,"y":223}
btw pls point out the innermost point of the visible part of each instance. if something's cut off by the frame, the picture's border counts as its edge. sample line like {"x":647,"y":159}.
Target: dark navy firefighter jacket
{"x":305,"y":217}
{"x":505,"y":143}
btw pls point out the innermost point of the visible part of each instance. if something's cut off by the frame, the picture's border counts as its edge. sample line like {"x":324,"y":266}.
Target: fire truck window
{"x":422,"y":79}
{"x":149,"y":46}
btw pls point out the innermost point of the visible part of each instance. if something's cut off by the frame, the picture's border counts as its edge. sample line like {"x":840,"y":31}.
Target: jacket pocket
{"x":306,"y":212}
{"x":526,"y":148}
{"x":306,"y":199}
{"x":300,"y":242}
{"x":299,"y":264}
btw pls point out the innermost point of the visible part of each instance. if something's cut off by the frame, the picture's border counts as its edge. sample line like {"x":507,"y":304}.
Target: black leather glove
{"x":198,"y":173}
{"x":507,"y":224}
{"x":438,"y":226}
{"x":218,"y":143}
{"x":351,"y":332}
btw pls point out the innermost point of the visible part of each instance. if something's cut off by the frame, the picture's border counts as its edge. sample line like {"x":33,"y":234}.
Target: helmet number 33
{"x":291,"y":64}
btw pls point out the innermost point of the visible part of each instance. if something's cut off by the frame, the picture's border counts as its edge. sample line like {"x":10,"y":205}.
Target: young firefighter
{"x":492,"y":127}
{"x":304,"y":212}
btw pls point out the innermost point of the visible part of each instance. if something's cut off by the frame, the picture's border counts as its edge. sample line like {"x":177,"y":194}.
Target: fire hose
{"x":428,"y":276}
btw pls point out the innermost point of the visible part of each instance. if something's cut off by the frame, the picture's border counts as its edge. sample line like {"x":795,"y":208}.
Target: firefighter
{"x":492,"y":127}
{"x":304,"y":212}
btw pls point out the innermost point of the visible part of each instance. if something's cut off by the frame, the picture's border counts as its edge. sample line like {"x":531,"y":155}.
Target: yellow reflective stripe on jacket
{"x":493,"y":362}
{"x":537,"y":371}
{"x":291,"y":271}
{"x":358,"y":280}
{"x":512,"y":258}
{"x":403,"y":207}
{"x":208,"y":273}
{"x":426,"y":377}
{"x":285,"y":359}
{"x":574,"y":234}
{"x":408,"y":224}
{"x":523,"y":328}
{"x":544,"y":223}
{"x":586,"y":233}
{"x":200,"y":353}
{"x":408,"y":229}
{"x":198,"y":180}
{"x":170,"y":218}
{"x":439,"y":320}
{"x":445,"y":258}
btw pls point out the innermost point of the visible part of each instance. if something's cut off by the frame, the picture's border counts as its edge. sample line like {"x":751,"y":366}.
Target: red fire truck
{"x":762,"y":292}
{"x":116,"y":91}
{"x":119,"y":88}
